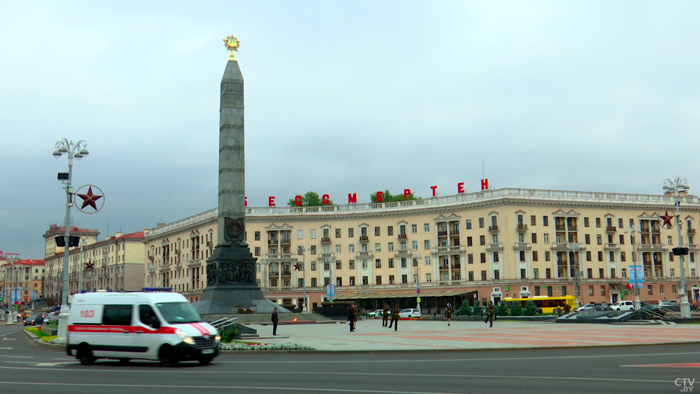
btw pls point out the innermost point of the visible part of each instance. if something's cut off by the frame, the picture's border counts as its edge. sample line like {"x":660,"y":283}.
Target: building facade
{"x":481,"y":246}
{"x":25,"y":276}
{"x":115,"y":263}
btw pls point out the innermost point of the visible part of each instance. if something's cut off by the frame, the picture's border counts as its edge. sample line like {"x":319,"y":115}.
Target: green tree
{"x":310,"y":199}
{"x":477,"y":310}
{"x":530,"y":309}
{"x":502,"y":309}
{"x":516,"y":309}
{"x":388,"y":197}
{"x":465,"y":309}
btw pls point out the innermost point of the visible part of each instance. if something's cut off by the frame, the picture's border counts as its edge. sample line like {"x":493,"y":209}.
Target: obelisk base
{"x":231,"y":284}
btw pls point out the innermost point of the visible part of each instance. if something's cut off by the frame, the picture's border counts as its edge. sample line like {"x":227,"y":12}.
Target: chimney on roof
{"x":107,"y":237}
{"x":146,"y":231}
{"x":118,"y":234}
{"x":161,"y":225}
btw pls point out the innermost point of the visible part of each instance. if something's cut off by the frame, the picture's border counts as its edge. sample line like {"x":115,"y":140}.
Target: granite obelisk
{"x":231,"y":268}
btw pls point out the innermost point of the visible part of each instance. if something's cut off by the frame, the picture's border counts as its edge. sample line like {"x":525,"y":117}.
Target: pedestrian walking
{"x":385,"y":315}
{"x":491,"y":314}
{"x":395,"y":317}
{"x":694,"y":305}
{"x":275,"y":320}
{"x":357,"y":315}
{"x":351,"y":317}
{"x":448,"y":314}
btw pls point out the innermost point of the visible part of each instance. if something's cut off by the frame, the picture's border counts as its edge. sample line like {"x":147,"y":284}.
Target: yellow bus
{"x":546,"y":304}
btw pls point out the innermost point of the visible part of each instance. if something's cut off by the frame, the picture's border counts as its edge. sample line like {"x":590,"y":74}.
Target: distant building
{"x":27,"y":276}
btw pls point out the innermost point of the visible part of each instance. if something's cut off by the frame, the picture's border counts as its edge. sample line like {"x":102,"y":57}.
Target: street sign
{"x":418,"y":299}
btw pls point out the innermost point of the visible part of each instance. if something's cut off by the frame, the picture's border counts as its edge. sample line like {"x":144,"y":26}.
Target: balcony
{"x":442,"y":233}
{"x":194,"y":263}
{"x":522,"y":246}
{"x":364,"y":255}
{"x":402,"y":253}
{"x":286,"y":273}
{"x":449,"y":249}
{"x":286,"y":241}
{"x":456,"y":266}
{"x":652,"y":248}
{"x":327,"y":240}
{"x":403,"y":236}
{"x":493,"y":228}
{"x":573,"y":227}
{"x":560,"y":227}
{"x":611,"y":229}
{"x":522,"y":228}
{"x":494,"y":247}
{"x":611,"y":247}
{"x":364,"y":238}
{"x":691,"y":231}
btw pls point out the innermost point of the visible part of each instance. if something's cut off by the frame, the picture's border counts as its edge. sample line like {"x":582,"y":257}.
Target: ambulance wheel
{"x":168,"y":357}
{"x":205,"y":360}
{"x":85,"y":355}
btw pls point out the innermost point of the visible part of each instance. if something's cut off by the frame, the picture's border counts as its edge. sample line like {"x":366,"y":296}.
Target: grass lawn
{"x":37,"y":331}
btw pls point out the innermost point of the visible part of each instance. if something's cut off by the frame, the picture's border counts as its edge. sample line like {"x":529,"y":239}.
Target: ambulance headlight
{"x":188,"y":340}
{"x":217,"y":338}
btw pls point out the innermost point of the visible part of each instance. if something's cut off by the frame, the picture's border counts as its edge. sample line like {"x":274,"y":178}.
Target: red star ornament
{"x":89,"y":265}
{"x":297,"y":267}
{"x":667,"y":220}
{"x":89,"y":199}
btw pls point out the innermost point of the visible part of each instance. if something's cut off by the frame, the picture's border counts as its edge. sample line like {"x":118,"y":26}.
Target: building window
{"x":482,"y":240}
{"x":404,"y":279}
{"x":390,"y":230}
{"x":536,"y":273}
{"x":588,"y":255}
{"x":313,"y":249}
{"x":547,"y":255}
{"x":403,"y":262}
{"x":337,"y":233}
{"x":338,"y":249}
{"x":428,"y":278}
{"x":590,"y":290}
{"x":600,"y":256}
{"x":377,"y":247}
{"x":533,"y":220}
{"x":390,"y":247}
{"x":469,"y":224}
{"x":534,"y":256}
{"x":351,"y":248}
{"x":312,"y":234}
{"x":549,"y":291}
{"x":599,"y":239}
{"x":257,"y":236}
{"x":546,"y":238}
{"x":495,"y":257}
{"x":391,"y":262}
{"x":426,"y":228}
{"x":427,"y":260}
{"x":650,"y":290}
{"x":534,"y":238}
{"x":378,"y":280}
{"x":545,"y":220}
{"x":377,"y":231}
{"x":496,"y":274}
{"x":585,"y":222}
{"x":481,"y":222}
{"x":522,"y":255}
{"x":674,"y":289}
{"x":523,"y":274}
{"x":483,"y":275}
{"x":661,"y":289}
{"x":391,"y":279}
{"x":469,"y":241}
{"x":587,"y":238}
{"x":351,"y":232}
{"x":364,"y":264}
{"x":470,"y":258}
{"x":351,"y":264}
{"x":352,"y":281}
{"x":483,"y":257}
{"x":257,"y":251}
{"x":414,"y":245}
{"x":378,"y":263}
{"x":597,"y":222}
{"x":414,"y":229}
{"x":365,"y":280}
{"x":623,"y":256}
{"x":612,"y":256}
{"x":548,"y":273}
{"x":426,"y":244}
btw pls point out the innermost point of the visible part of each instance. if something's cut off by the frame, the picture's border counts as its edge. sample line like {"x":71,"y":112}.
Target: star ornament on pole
{"x":89,"y":265}
{"x":90,"y":199}
{"x":667,"y":220}
{"x":297,"y":267}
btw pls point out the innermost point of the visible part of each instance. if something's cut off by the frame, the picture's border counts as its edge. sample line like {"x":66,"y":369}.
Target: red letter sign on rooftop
{"x":352,"y":198}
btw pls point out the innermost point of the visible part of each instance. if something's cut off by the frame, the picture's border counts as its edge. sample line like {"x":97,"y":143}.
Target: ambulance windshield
{"x":178,"y":312}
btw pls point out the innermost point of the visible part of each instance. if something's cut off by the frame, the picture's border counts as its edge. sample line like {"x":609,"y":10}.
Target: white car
{"x":587,"y":306}
{"x":410,"y":313}
{"x":377,"y":313}
{"x":623,"y":306}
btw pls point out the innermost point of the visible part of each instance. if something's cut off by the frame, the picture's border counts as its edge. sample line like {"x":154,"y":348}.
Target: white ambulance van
{"x":152,"y":326}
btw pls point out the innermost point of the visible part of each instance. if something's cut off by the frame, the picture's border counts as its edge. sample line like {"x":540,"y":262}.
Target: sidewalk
{"x":473,"y":335}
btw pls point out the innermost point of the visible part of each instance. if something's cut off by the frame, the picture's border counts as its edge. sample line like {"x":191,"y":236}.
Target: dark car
{"x":34,"y":320}
{"x":651,"y":311}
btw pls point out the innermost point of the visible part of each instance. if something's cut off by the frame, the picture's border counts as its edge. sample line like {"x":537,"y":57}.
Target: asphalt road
{"x":26,"y":367}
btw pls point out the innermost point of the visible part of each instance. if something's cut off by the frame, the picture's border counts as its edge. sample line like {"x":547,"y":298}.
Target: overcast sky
{"x":341,"y":97}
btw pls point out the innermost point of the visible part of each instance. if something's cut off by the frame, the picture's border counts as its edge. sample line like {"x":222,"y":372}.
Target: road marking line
{"x":52,"y":364}
{"x":17,"y":356}
{"x":9,"y":339}
{"x":6,"y":348}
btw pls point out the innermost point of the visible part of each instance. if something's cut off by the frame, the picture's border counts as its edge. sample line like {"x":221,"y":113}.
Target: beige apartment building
{"x":482,"y":246}
{"x":27,"y":276}
{"x":115,"y":263}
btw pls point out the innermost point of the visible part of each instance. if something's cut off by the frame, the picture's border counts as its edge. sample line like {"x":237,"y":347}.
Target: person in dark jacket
{"x":275,"y":320}
{"x":492,"y":313}
{"x":385,"y":315}
{"x":395,"y":317}
{"x":351,"y":317}
{"x":448,"y":314}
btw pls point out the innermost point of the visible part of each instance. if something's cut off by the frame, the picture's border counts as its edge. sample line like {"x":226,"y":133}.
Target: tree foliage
{"x":516,"y":309}
{"x":310,"y":199}
{"x":502,"y":309}
{"x":388,"y":197}
{"x":530,"y":309}
{"x":465,"y":309}
{"x":477,"y":310}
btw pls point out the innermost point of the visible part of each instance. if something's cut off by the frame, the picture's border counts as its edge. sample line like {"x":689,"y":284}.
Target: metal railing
{"x":221,"y":324}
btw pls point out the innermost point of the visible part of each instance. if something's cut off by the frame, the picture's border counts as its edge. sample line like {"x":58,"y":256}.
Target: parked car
{"x":410,"y":313}
{"x":652,"y":311}
{"x":605,"y":306}
{"x":623,"y":306}
{"x":587,"y":306}
{"x":34,"y":320}
{"x":377,"y":313}
{"x":50,"y":318}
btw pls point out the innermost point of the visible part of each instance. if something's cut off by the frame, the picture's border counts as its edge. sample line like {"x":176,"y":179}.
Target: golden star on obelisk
{"x":232,"y":43}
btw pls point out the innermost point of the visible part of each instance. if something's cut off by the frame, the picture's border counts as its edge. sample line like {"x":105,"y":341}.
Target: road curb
{"x":40,"y":341}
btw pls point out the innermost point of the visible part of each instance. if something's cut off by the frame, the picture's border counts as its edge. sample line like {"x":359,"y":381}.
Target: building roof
{"x":30,"y":262}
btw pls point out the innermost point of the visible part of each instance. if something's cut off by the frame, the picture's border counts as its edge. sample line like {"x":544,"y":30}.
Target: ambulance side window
{"x":148,"y":317}
{"x":117,"y":315}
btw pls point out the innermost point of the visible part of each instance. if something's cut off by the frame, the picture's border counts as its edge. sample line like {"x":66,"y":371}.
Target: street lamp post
{"x":676,"y":186}
{"x":301,"y":250}
{"x":417,"y":256}
{"x":574,"y":248}
{"x":633,"y":240}
{"x":80,"y":269}
{"x":75,"y":150}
